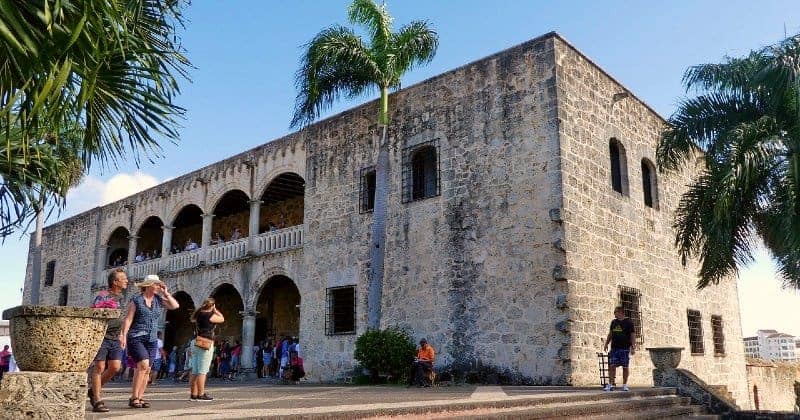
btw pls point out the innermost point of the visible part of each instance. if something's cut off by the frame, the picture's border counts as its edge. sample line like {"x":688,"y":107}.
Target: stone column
{"x":102,"y":263}
{"x":255,"y":216}
{"x":248,"y":339}
{"x":166,"y":240}
{"x":131,"y":251}
{"x":206,"y":239}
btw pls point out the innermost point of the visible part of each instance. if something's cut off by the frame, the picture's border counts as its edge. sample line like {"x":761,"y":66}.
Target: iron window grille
{"x":340,"y":318}
{"x":630,"y":299}
{"x":695,"y":331}
{"x":366,"y":190}
{"x":421,"y":171}
{"x":719,"y":335}
{"x":50,"y":273}
{"x":63,"y":295}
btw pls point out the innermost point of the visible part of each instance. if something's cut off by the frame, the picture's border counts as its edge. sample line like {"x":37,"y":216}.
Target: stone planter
{"x":57,"y":338}
{"x":665,"y":357}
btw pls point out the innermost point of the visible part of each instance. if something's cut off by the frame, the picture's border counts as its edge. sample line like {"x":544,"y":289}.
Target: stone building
{"x":524,"y":207}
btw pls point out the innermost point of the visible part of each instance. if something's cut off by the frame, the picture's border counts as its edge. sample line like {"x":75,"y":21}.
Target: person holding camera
{"x":201,"y":349}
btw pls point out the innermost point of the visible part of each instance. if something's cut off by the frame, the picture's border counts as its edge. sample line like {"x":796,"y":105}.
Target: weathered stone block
{"x":43,"y":395}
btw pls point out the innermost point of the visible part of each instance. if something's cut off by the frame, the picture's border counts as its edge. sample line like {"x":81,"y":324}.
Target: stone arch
{"x":178,"y":328}
{"x":231,"y":216}
{"x":277,"y":308}
{"x":176,"y":209}
{"x":219,"y":192}
{"x":282,"y":202}
{"x":117,"y":246}
{"x":187,"y":225}
{"x":263,"y":181}
{"x":149,"y":236}
{"x":230,"y":303}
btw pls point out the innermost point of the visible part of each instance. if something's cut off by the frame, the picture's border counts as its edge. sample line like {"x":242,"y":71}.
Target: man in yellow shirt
{"x":423,"y":364}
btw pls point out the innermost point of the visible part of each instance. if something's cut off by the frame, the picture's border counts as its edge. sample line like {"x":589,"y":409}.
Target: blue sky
{"x":246,"y":53}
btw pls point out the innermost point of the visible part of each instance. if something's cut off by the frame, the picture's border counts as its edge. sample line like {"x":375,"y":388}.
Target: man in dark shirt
{"x":622,"y":337}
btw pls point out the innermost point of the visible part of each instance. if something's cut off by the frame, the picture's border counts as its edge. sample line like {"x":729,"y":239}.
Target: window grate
{"x":366,"y":190}
{"x":421,"y":171}
{"x":630,"y":299}
{"x":340,"y":318}
{"x":719,"y":335}
{"x":695,"y":331}
{"x":50,"y":273}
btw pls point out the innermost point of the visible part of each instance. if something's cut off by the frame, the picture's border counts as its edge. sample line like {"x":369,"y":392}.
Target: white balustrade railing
{"x":227,"y":251}
{"x":141,"y":269}
{"x":182,"y":261}
{"x":278,"y":240}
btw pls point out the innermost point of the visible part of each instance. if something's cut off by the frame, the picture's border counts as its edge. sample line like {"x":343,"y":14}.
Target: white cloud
{"x":764,"y":304}
{"x":93,"y":191}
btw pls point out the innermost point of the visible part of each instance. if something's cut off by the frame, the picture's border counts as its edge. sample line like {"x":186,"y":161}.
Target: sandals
{"x":99,"y":407}
{"x":138,"y":403}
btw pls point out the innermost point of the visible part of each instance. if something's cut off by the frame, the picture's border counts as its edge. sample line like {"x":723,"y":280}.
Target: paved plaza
{"x":233,"y":400}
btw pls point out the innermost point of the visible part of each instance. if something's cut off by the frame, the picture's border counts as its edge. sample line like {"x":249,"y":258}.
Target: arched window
{"x":649,"y":184}
{"x":421,"y":171}
{"x":619,"y":167}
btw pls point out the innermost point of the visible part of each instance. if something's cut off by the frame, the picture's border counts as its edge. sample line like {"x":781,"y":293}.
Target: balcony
{"x":264,"y":244}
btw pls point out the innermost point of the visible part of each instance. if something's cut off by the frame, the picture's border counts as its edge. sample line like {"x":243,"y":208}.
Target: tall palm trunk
{"x":378,"y":242}
{"x":36,"y":270}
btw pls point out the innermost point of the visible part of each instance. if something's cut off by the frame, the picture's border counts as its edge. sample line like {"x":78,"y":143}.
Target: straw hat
{"x":149,"y":280}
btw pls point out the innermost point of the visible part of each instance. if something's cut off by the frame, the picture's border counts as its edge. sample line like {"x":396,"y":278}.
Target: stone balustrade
{"x":279,"y":240}
{"x":227,"y":251}
{"x":265,"y":243}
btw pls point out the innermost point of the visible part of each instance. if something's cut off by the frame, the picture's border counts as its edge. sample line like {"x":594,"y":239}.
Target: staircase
{"x":651,"y":403}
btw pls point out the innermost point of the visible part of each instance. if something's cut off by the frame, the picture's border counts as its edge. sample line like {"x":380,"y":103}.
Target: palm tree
{"x":338,"y":63}
{"x":744,"y":126}
{"x":107,"y":67}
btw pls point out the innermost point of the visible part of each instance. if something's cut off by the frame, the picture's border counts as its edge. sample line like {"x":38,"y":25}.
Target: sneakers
{"x":608,"y":387}
{"x":625,"y":387}
{"x":204,"y":397}
{"x":192,"y":398}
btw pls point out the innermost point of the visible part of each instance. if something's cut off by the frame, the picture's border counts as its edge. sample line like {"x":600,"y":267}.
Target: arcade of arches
{"x":277,"y":314}
{"x":149,"y":237}
{"x":118,"y":247}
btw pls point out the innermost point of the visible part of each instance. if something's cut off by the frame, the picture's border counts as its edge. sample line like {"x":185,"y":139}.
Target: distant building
{"x":5,"y":334}
{"x":772,"y":345}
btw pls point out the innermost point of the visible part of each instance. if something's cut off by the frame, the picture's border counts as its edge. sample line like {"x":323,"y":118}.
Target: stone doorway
{"x":178,"y":328}
{"x":278,"y":309}
{"x":229,"y":302}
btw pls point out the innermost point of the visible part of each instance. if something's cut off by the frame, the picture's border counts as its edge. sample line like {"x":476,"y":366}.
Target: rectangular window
{"x":341,"y":315}
{"x":63,"y":295}
{"x":50,"y":273}
{"x":629,"y":299}
{"x":695,"y":331}
{"x":366,"y":190}
{"x":719,"y":335}
{"x":421,"y":172}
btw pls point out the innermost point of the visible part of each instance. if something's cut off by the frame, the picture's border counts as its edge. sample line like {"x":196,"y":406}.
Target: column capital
{"x":207,"y":215}
{"x":167,"y":227}
{"x":248,"y":314}
{"x":132,"y":238}
{"x":251,"y":202}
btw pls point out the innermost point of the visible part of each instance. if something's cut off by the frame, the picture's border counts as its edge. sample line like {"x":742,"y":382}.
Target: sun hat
{"x":149,"y":280}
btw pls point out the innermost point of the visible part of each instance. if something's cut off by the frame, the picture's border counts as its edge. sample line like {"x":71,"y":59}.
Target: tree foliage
{"x":94,"y":79}
{"x":389,"y":351}
{"x":744,"y":126}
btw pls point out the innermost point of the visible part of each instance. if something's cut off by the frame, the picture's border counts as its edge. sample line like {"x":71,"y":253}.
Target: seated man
{"x":423,"y":364}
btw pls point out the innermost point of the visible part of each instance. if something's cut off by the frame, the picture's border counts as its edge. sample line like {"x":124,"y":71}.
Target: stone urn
{"x":57,"y":338}
{"x":665,"y":357}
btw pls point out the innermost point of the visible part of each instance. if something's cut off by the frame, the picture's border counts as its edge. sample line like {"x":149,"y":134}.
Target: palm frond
{"x":336,"y":64}
{"x":376,"y":19}
{"x":414,"y":44}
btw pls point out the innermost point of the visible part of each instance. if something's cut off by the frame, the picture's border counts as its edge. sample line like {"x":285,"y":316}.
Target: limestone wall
{"x":470,"y":269}
{"x":613,"y":239}
{"x":775,"y":382}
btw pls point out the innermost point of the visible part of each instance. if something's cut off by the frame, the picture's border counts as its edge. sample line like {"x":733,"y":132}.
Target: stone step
{"x":669,"y":412}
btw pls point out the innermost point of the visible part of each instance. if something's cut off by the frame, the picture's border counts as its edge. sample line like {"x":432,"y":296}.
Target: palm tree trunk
{"x":378,"y":242}
{"x":36,"y":269}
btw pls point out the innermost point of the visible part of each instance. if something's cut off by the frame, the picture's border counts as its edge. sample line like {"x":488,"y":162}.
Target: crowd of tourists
{"x":134,"y":339}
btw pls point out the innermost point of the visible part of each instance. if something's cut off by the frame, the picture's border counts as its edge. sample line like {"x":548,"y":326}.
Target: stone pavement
{"x":233,"y":400}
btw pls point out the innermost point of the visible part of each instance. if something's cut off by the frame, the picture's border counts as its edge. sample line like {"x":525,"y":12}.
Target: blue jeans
{"x":141,"y":348}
